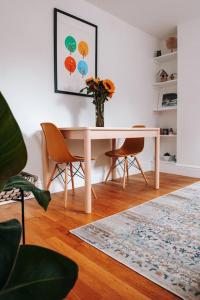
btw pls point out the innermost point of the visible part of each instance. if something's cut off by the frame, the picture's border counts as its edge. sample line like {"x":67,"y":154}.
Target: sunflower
{"x":97,"y":80}
{"x":89,"y":80}
{"x":109,"y":86}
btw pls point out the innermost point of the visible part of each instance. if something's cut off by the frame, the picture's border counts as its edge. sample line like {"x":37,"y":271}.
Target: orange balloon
{"x":83,"y":48}
{"x":70,"y":64}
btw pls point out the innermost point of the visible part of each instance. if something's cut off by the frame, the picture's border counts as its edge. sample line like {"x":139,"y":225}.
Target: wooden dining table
{"x":87,"y":134}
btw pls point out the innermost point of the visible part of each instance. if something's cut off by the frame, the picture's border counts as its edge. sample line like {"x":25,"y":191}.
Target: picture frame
{"x":167,"y":99}
{"x":75,"y":53}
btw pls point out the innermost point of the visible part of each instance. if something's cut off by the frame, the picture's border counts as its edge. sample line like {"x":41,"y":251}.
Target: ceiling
{"x":157,"y":17}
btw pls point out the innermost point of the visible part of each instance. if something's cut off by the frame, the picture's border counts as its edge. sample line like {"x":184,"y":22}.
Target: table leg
{"x":87,"y":159}
{"x":157,"y":161}
{"x":113,"y":160}
{"x":45,"y":160}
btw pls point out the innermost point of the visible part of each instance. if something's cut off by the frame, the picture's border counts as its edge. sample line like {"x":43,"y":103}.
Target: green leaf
{"x":40,"y":273}
{"x":13,"y":155}
{"x":43,"y":197}
{"x":10,"y":233}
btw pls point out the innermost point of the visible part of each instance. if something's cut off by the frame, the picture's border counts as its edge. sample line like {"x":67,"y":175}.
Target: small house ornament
{"x":162,"y":76}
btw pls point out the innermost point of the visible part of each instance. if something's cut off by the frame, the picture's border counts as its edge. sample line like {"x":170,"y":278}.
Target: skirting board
{"x":180,"y":169}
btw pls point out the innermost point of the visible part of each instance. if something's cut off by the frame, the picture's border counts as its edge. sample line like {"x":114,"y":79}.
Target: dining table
{"x":88,"y":134}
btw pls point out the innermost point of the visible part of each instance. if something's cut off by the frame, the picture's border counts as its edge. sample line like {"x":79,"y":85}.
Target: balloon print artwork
{"x":70,"y":43}
{"x":82,"y":68}
{"x":70,"y":64}
{"x":83,"y":48}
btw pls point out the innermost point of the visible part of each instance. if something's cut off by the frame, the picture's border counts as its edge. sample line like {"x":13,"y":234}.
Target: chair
{"x":58,"y":151}
{"x":130,"y":148}
{"x":18,"y":195}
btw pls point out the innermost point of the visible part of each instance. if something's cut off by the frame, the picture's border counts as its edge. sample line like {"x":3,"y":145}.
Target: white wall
{"x":188,"y":146}
{"x":26,"y":74}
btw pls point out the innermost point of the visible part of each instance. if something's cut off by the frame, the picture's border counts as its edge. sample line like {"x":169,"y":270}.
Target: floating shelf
{"x":165,"y":57}
{"x":165,"y":83}
{"x":167,"y":162}
{"x":165,"y":109}
{"x":168,"y":135}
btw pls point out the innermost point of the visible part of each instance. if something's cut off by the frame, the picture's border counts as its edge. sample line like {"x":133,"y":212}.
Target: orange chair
{"x":60,"y":154}
{"x":130,"y":148}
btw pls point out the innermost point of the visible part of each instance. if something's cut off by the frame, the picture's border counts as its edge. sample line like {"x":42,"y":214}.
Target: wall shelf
{"x":166,"y":116}
{"x":165,"y":109}
{"x":165,"y":58}
{"x":165,"y":83}
{"x":168,"y":135}
{"x":167,"y":162}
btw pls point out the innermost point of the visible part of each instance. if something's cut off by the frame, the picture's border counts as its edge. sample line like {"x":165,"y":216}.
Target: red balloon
{"x":70,"y":64}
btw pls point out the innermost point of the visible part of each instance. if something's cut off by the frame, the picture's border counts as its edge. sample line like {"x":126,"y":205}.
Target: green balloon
{"x":70,"y":43}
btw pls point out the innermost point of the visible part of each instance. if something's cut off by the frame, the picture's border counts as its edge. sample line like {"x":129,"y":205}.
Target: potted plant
{"x":27,"y":271}
{"x":166,"y":156}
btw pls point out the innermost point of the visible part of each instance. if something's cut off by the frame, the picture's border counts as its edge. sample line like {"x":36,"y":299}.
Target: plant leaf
{"x":43,"y":197}
{"x":40,"y":273}
{"x":10,"y":233}
{"x":13,"y":155}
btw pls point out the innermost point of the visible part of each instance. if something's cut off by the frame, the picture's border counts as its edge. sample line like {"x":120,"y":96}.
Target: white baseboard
{"x":180,"y":169}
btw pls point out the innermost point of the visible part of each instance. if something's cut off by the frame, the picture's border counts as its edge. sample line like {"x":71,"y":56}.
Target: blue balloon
{"x":82,"y":67}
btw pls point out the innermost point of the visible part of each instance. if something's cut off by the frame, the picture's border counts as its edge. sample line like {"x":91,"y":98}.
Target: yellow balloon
{"x":83,"y":48}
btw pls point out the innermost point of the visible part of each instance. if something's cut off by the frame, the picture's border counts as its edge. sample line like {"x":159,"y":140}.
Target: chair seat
{"x":119,"y":153}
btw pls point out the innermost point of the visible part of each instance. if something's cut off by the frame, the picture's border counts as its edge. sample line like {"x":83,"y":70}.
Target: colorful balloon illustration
{"x":82,"y":67}
{"x":70,"y":64}
{"x":83,"y":48}
{"x":70,"y":43}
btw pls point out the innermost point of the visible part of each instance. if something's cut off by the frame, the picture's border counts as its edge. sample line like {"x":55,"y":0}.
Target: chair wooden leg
{"x":51,"y":177}
{"x":110,"y":170}
{"x":139,"y":166}
{"x":127,"y":172}
{"x":65,"y":191}
{"x":72,"y":177}
{"x":93,"y":192}
{"x":124,"y":175}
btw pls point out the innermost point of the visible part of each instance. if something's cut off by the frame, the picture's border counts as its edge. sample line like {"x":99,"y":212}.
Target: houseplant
{"x":28,"y":271}
{"x":101,"y":91}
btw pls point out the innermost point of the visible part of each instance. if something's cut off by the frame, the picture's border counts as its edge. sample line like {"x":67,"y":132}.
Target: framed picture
{"x":75,"y":52}
{"x":167,"y":99}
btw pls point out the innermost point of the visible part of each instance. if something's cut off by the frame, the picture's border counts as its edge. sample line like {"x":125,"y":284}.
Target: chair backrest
{"x":133,"y":145}
{"x":55,"y":142}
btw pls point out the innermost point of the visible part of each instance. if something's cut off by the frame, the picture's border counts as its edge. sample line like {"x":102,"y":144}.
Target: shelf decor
{"x":75,"y":52}
{"x":167,"y":99}
{"x":101,"y":91}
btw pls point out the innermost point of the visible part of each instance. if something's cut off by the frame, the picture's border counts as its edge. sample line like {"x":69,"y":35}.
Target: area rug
{"x":159,"y":239}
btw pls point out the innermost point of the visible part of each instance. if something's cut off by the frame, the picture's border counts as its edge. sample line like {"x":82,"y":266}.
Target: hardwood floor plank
{"x":100,"y":276}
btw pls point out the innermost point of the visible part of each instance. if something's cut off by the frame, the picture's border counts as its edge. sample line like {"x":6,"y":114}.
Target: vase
{"x":171,"y":43}
{"x":100,"y":115}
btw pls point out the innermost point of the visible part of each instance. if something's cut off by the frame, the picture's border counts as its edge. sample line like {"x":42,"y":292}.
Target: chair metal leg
{"x":140,"y":168}
{"x":51,"y":177}
{"x":72,"y":177}
{"x":65,"y":191}
{"x":93,"y":192}
{"x":22,"y":213}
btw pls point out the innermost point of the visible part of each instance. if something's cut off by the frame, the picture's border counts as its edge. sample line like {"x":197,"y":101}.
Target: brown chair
{"x":128,"y":151}
{"x":58,"y":151}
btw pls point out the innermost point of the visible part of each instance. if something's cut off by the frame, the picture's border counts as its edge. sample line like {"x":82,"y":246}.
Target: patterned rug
{"x":159,"y":239}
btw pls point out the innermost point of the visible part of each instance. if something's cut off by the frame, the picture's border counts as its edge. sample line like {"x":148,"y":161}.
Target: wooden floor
{"x":100,"y":277}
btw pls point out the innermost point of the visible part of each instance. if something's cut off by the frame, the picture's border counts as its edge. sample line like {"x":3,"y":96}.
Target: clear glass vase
{"x":100,"y":115}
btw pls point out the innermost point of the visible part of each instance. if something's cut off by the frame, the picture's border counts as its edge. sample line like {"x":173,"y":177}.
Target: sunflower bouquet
{"x":101,"y":91}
